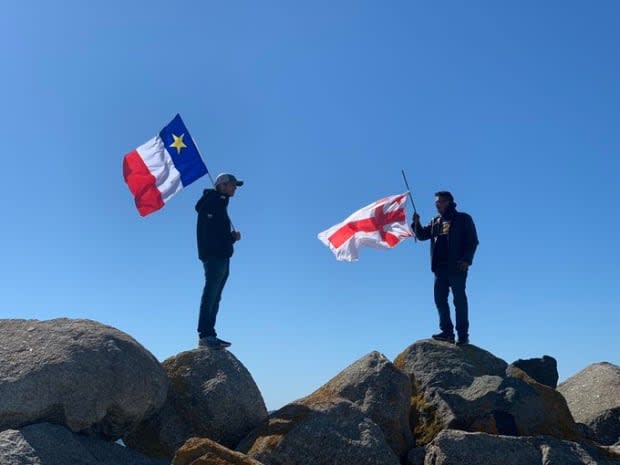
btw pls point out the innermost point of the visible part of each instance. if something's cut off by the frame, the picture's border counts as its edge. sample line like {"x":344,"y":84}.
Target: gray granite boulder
{"x":203,"y":451}
{"x":543,"y":370}
{"x":452,"y":447}
{"x":468,"y":388}
{"x":79,"y":373}
{"x":593,"y":396}
{"x":48,"y":444}
{"x":321,"y":433}
{"x":380,"y":390}
{"x":211,"y":395}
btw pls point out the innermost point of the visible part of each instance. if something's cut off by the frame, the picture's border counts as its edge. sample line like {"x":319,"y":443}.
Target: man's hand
{"x":462,"y":265}
{"x":416,"y":219}
{"x":236,"y":235}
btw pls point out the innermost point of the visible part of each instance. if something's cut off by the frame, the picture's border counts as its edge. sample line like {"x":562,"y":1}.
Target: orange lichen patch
{"x":203,"y":451}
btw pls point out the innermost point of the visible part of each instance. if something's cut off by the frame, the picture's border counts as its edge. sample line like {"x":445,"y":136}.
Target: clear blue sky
{"x":513,"y":106}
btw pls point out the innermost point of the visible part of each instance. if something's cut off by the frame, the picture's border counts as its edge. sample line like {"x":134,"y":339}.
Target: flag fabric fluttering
{"x":162,"y":166}
{"x":382,"y":224}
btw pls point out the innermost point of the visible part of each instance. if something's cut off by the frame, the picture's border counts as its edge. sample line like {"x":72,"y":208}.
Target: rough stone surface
{"x":416,"y":456}
{"x":543,"y":370}
{"x":202,"y":451}
{"x":48,"y":444}
{"x":593,"y":396}
{"x":211,"y":395}
{"x":79,"y":373}
{"x":329,"y":433}
{"x":468,"y":388}
{"x":452,"y":447}
{"x":380,"y":390}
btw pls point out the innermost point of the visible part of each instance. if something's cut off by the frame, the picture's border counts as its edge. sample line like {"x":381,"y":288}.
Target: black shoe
{"x":462,"y":341}
{"x":212,"y":342}
{"x":445,"y":337}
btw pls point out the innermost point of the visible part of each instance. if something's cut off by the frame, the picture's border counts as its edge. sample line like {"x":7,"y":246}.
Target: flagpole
{"x":410,"y":198}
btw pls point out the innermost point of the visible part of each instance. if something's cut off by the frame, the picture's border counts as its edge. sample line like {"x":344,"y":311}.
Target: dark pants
{"x":455,"y":280}
{"x":216,"y":274}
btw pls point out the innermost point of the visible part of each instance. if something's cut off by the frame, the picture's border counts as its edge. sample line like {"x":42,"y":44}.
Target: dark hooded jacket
{"x":462,"y":238}
{"x":213,"y":229}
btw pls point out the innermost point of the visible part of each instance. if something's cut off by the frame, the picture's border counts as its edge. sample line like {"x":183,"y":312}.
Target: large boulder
{"x":452,"y":447}
{"x":380,"y":390}
{"x":79,"y":373}
{"x":203,"y":451}
{"x":320,"y":433}
{"x":211,"y":395}
{"x":544,"y":370}
{"x":48,"y":444}
{"x":593,"y":396}
{"x":468,"y":388}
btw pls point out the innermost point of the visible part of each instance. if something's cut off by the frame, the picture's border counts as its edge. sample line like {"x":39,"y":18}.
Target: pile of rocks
{"x":69,"y":389}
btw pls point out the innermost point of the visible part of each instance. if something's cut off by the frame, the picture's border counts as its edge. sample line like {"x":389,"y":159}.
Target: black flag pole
{"x":410,"y":198}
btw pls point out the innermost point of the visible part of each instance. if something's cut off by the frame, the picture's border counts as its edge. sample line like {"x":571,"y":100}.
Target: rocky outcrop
{"x":47,"y":444}
{"x":320,"y":433}
{"x":467,"y":388}
{"x":452,"y":447}
{"x":79,"y":373}
{"x":543,"y":370}
{"x":593,"y":396}
{"x":382,"y":393}
{"x":202,"y":451}
{"x":211,"y":395}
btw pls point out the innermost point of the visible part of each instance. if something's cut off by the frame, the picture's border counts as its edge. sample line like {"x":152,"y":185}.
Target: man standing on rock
{"x":215,"y":247}
{"x":453,"y":244}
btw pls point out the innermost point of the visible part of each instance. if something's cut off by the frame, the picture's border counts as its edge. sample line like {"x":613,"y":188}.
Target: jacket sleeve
{"x":422,"y":233}
{"x":471,"y":240}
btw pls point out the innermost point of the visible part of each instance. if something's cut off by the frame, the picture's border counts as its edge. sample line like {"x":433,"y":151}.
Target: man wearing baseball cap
{"x":215,"y":237}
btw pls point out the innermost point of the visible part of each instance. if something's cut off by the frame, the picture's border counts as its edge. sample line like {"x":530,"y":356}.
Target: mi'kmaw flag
{"x":382,"y":225}
{"x":162,"y":166}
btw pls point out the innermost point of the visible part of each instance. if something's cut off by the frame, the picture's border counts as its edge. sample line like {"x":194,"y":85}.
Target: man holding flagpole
{"x":215,"y":237}
{"x":453,"y":243}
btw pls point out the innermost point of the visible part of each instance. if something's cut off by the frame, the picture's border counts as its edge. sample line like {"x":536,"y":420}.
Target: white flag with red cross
{"x":382,"y":225}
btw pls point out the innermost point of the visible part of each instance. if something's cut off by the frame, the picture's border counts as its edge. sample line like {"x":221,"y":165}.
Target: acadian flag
{"x":162,"y":166}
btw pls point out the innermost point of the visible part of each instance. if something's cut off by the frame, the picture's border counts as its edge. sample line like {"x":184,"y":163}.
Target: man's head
{"x":444,"y":202}
{"x":227,"y":184}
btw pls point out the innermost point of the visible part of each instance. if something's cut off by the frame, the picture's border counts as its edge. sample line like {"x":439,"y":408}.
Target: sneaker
{"x":223,"y":344}
{"x":445,"y":337}
{"x":462,"y":341}
{"x":212,"y":342}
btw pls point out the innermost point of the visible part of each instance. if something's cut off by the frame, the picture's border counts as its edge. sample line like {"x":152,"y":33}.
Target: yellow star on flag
{"x":178,"y":143}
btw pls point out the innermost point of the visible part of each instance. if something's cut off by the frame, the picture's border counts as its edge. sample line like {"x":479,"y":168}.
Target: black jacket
{"x":462,"y":238}
{"x":213,"y":229}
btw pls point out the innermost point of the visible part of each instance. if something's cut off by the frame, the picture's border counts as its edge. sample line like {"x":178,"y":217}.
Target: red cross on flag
{"x":382,"y":225}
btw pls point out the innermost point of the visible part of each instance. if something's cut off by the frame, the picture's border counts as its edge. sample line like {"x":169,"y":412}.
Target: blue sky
{"x":513,"y":106}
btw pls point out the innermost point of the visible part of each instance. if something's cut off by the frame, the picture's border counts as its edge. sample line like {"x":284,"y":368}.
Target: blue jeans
{"x":216,"y":274}
{"x":455,"y":280}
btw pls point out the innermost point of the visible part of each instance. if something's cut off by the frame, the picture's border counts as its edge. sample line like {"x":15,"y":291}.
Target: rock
{"x":416,"y":456}
{"x":79,"y":373}
{"x":321,"y":433}
{"x":544,"y":412}
{"x":202,"y":451}
{"x":380,"y":390}
{"x":593,"y":396}
{"x":48,"y":444}
{"x":211,"y":395}
{"x":452,"y":447}
{"x":543,"y":370}
{"x":468,"y":388}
